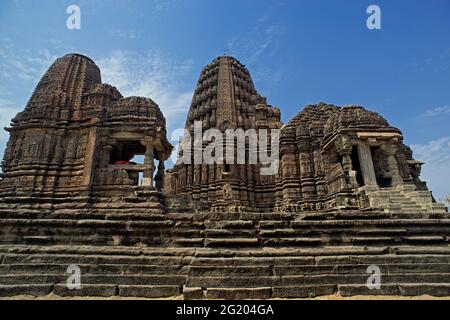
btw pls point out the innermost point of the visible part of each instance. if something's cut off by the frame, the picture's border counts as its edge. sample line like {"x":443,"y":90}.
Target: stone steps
{"x":224,"y":281}
{"x":110,"y":269}
{"x":305,"y":291}
{"x":250,"y":270}
{"x":405,"y":199}
{"x":224,"y":234}
{"x":323,"y":279}
{"x":91,"y":290}
{"x":156,"y":272}
{"x":135,"y":279}
{"x":402,"y":289}
{"x":220,"y":255}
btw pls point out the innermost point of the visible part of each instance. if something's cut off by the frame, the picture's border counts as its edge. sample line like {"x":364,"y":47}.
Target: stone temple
{"x":346,"y":195}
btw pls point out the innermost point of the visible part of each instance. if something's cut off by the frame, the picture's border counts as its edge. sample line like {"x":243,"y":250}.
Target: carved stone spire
{"x":58,"y":95}
{"x":225,"y":96}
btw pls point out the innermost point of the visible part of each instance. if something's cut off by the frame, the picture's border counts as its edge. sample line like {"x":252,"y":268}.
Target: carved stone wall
{"x":58,"y":143}
{"x":225,"y":98}
{"x":330,"y":156}
{"x":77,"y":136}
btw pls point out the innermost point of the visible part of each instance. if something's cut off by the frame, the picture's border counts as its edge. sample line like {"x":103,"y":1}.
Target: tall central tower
{"x":225,"y":98}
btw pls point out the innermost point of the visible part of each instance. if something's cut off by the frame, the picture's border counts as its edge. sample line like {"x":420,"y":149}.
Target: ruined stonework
{"x":347,"y":195}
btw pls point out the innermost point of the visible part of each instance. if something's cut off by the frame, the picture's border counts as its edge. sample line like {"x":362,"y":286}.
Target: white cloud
{"x":262,"y":40}
{"x":437,"y":111}
{"x":260,"y":43}
{"x":149,"y":75}
{"x":24,"y":64}
{"x":134,"y":74}
{"x":18,"y":66}
{"x":125,"y":34}
{"x":436,"y":170}
{"x":8,"y":109}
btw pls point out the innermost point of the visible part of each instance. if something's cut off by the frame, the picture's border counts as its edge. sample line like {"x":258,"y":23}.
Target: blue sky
{"x":298,"y":52}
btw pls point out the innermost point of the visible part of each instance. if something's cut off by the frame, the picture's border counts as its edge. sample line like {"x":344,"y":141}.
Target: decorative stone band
{"x":382,"y":135}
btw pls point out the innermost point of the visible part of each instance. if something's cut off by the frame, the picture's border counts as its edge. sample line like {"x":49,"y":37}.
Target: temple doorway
{"x":127,"y":151}
{"x":380,"y":166}
{"x":357,"y":166}
{"x":130,"y":154}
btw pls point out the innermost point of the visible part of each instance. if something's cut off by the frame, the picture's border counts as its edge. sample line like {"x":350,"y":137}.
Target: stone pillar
{"x":366,"y":164}
{"x":159,"y":179}
{"x":393,"y":165}
{"x":148,"y":162}
{"x":90,"y":156}
{"x":347,"y":165}
{"x":105,"y":156}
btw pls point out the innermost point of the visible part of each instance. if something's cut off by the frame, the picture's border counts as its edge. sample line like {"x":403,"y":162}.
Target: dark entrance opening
{"x":126,"y":151}
{"x":356,"y":166}
{"x":129,"y":153}
{"x":380,"y":167}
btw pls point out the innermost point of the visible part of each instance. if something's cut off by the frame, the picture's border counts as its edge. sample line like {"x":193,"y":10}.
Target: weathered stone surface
{"x":148,"y":291}
{"x":87,"y":290}
{"x":347,"y":195}
{"x":305,"y":291}
{"x":239,"y":293}
{"x":192,"y":293}
{"x":25,"y":289}
{"x":433,"y":289}
{"x":347,"y":290}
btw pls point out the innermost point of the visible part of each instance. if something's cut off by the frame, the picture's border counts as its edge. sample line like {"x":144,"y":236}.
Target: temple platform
{"x":132,"y":253}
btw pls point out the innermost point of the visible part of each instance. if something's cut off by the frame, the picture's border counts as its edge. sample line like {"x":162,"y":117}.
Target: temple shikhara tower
{"x":346,"y":194}
{"x":73,"y":133}
{"x":225,"y":98}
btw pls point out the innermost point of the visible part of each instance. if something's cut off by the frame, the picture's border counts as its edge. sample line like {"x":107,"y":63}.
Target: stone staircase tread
{"x":25,"y":289}
{"x":146,"y":291}
{"x":87,"y":269}
{"x":99,"y":259}
{"x":231,"y":241}
{"x":86,"y":290}
{"x":134,"y":251}
{"x":360,"y":268}
{"x":404,"y":289}
{"x":303,"y":291}
{"x":293,"y":241}
{"x":95,"y":279}
{"x":89,"y":222}
{"x":362,"y":278}
{"x":238,"y":293}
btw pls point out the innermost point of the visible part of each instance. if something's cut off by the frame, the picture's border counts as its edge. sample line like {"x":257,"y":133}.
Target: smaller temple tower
{"x":348,"y":158}
{"x":77,"y":137}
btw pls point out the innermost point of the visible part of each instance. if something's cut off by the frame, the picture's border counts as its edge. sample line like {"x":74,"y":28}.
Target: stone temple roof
{"x":311,"y":116}
{"x":79,"y":55}
{"x":131,"y":109}
{"x":60,"y":91}
{"x":329,"y":119}
{"x":224,"y":94}
{"x":354,"y":117}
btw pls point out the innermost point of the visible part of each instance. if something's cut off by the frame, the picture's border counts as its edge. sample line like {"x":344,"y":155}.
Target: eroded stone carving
{"x":79,"y":136}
